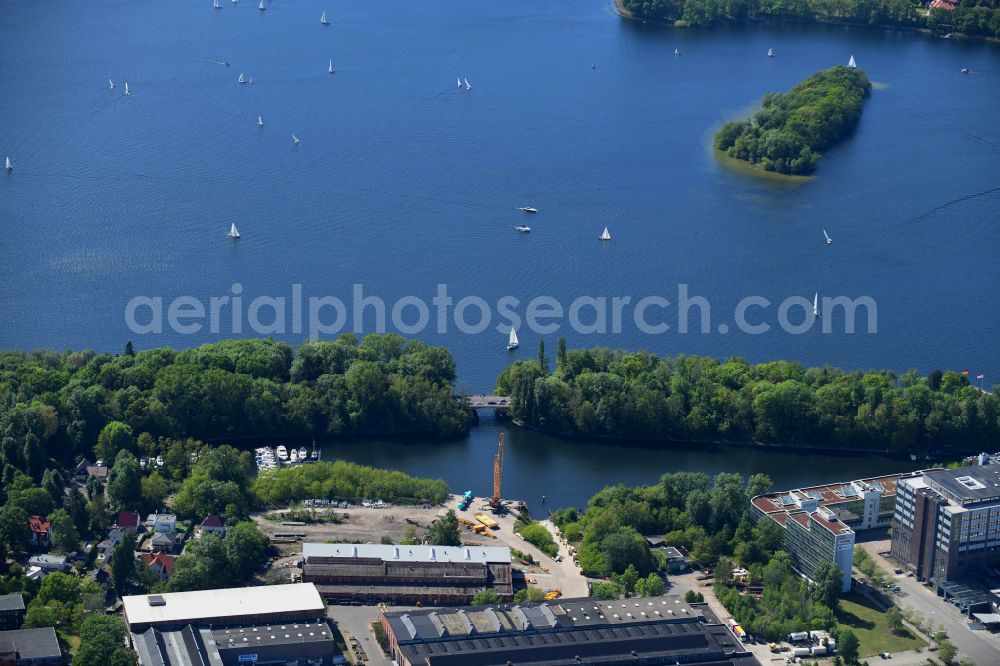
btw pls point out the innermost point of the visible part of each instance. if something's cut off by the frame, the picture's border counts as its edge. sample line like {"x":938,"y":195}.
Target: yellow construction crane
{"x":497,"y":475}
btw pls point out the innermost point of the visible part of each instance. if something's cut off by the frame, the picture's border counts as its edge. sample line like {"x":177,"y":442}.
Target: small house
{"x":164,"y":522}
{"x":49,"y":563}
{"x":161,"y":542}
{"x":128,"y":520}
{"x":213,"y":523}
{"x":41,"y":531}
{"x":161,"y":564}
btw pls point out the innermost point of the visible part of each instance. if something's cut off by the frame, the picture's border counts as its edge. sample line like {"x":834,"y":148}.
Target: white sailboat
{"x":127,"y":91}
{"x":261,"y":6}
{"x":235,"y":1}
{"x":816,"y":305}
{"x":459,"y":82}
{"x":528,"y":209}
{"x":468,"y":86}
{"x":233,"y":233}
{"x":216,"y":4}
{"x":851,"y":63}
{"x":295,"y":140}
{"x":281,"y":452}
{"x":770,"y":53}
{"x":322,"y":19}
{"x":606,"y":235}
{"x":512,"y":342}
{"x":111,"y":84}
{"x":827,"y":236}
{"x":260,"y":121}
{"x":329,"y":69}
{"x":7,"y":166}
{"x":523,"y":228}
{"x":242,"y":80}
{"x":251,"y":79}
{"x":293,"y":456}
{"x":677,"y":51}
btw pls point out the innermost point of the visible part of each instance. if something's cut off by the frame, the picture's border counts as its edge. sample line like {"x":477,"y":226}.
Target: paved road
{"x":981,"y":647}
{"x":354,"y":621}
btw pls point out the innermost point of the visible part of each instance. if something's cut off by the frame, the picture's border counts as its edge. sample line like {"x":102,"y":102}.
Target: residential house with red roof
{"x":41,"y":531}
{"x":213,"y":523}
{"x":160,"y":563}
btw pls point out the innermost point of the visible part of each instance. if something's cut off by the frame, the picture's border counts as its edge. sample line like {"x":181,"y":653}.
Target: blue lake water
{"x":402,"y":182}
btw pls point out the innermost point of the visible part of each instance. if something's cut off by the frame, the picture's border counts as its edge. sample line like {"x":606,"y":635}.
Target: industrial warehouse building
{"x":30,"y":647}
{"x":272,"y":604}
{"x":437,"y":575}
{"x":820,"y":521}
{"x":274,"y":624}
{"x":658,"y":630}
{"x":947,"y":522}
{"x":309,"y":644}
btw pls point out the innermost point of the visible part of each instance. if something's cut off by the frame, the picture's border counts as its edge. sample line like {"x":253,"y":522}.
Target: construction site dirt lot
{"x":360,"y":524}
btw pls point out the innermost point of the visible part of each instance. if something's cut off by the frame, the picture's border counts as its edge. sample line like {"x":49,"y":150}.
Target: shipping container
{"x":819,"y":651}
{"x":801,"y":652}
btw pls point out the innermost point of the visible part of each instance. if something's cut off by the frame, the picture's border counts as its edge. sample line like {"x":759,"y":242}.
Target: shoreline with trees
{"x":975,"y":20}
{"x":605,"y":395}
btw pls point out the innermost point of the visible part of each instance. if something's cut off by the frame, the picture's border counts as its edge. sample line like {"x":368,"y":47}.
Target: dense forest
{"x":606,"y":393}
{"x":970,"y":17}
{"x":791,"y":129}
{"x":56,"y":404}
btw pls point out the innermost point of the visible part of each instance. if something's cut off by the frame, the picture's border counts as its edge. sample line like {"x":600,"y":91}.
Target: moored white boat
{"x":281,"y":452}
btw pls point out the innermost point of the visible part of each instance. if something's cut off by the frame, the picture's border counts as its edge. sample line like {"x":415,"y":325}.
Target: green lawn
{"x":871,"y":628}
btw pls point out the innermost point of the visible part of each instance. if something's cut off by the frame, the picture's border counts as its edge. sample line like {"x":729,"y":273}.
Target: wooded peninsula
{"x":789,"y":132}
{"x":616,"y":394}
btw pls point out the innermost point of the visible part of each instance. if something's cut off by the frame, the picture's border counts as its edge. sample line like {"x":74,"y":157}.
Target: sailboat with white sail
{"x":111,"y":84}
{"x":459,"y":82}
{"x":7,"y":166}
{"x":260,"y":121}
{"x":322,"y":19}
{"x":770,"y":53}
{"x":242,"y":80}
{"x":216,"y":4}
{"x":816,"y":305}
{"x":468,"y":86}
{"x":233,"y":233}
{"x":829,"y":241}
{"x":851,"y":63}
{"x":329,"y":69}
{"x":295,"y":140}
{"x":261,"y":6}
{"x":512,"y":341}
{"x":606,"y":235}
{"x":127,"y":91}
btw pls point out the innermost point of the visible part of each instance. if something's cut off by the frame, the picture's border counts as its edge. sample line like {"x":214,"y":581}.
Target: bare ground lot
{"x":369,"y":525}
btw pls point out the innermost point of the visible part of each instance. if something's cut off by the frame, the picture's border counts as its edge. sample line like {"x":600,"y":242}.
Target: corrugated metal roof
{"x":408,"y":553}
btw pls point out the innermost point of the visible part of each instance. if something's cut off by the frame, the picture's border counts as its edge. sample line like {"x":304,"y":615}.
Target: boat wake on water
{"x":958,"y":200}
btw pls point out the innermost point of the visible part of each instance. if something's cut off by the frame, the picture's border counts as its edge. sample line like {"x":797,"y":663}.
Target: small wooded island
{"x":789,"y":132}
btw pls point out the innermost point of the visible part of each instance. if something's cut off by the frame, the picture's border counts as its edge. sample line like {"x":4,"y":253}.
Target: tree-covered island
{"x":791,"y":129}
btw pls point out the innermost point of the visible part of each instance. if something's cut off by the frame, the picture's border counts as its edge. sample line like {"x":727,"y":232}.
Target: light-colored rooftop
{"x":390,"y":553}
{"x":230,"y":603}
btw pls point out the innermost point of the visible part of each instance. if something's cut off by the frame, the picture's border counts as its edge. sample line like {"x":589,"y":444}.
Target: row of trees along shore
{"x":980,"y":18}
{"x":608,"y":393}
{"x":791,"y":128}
{"x":56,"y":404}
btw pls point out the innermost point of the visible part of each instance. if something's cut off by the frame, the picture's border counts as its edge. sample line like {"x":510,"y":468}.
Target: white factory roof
{"x":230,"y":602}
{"x":408,"y":553}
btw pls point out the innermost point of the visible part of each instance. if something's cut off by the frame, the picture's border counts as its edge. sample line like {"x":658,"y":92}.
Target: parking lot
{"x":980,"y":646}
